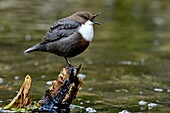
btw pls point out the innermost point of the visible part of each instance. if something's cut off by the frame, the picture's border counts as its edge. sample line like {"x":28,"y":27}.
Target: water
{"x":127,"y":60}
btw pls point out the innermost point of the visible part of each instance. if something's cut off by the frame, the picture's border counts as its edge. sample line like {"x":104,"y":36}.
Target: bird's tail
{"x":37,"y":47}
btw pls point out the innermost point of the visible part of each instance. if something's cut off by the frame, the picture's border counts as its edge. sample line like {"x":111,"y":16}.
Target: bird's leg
{"x":68,"y":62}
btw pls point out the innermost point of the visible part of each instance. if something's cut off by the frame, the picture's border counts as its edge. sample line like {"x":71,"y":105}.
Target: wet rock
{"x":128,"y":63}
{"x":27,"y":37}
{"x":87,"y":101}
{"x":152,"y":105}
{"x":90,"y":89}
{"x":121,"y":90}
{"x":76,"y":106}
{"x":5,"y":111}
{"x":82,"y":76}
{"x":16,"y":77}
{"x":141,"y":92}
{"x":90,"y":62}
{"x":9,"y":100}
{"x":79,"y":99}
{"x":142,"y":103}
{"x":158,"y":90}
{"x":168,"y":90}
{"x":43,"y":76}
{"x":158,"y":20}
{"x":142,"y":108}
{"x":1,"y":80}
{"x":98,"y":102}
{"x":90,"y":110}
{"x":49,"y":82}
{"x":124,"y":111}
{"x":81,"y":103}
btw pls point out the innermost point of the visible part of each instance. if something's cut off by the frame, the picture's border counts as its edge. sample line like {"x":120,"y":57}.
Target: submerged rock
{"x":141,"y":92}
{"x":142,"y":103}
{"x":28,"y":37}
{"x":76,"y":106}
{"x":142,"y":108}
{"x":49,"y":82}
{"x":168,"y":90}
{"x":128,"y":63}
{"x":124,"y":111}
{"x":90,"y":89}
{"x":152,"y":105}
{"x":158,"y":90}
{"x":43,"y":76}
{"x":16,"y":77}
{"x":1,"y":80}
{"x":121,"y":90}
{"x":82,"y":76}
{"x":90,"y":110}
{"x":87,"y":101}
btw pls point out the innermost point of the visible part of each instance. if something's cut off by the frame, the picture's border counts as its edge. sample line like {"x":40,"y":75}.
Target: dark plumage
{"x":65,"y":38}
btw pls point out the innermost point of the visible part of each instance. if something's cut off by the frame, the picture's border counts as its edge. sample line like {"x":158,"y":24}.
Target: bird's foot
{"x":68,"y":62}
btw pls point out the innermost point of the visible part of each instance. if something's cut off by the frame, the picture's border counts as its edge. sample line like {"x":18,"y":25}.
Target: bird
{"x":69,"y":36}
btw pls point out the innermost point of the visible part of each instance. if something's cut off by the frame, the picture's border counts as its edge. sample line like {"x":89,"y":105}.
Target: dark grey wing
{"x":61,"y":29}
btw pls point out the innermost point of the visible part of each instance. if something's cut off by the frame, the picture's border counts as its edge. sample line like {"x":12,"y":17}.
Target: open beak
{"x":98,"y":23}
{"x":94,"y":16}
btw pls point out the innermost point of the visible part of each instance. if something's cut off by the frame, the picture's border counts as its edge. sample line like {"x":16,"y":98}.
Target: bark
{"x":58,"y":96}
{"x":22,"y":99}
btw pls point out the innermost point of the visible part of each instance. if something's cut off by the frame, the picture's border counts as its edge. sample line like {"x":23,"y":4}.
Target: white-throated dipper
{"x":68,"y":36}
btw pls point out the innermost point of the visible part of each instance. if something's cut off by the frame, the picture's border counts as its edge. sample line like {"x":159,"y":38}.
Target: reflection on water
{"x":127,"y":60}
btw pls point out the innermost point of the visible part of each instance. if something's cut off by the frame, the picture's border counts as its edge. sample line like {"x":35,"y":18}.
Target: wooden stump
{"x":62,"y":92}
{"x":58,"y":96}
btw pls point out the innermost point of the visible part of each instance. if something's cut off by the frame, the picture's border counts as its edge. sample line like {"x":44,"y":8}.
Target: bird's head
{"x":84,"y":16}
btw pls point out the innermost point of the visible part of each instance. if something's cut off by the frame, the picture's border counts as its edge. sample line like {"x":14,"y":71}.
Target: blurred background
{"x":127,"y":63}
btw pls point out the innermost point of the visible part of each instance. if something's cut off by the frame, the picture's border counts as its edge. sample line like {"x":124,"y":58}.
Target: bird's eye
{"x":85,"y":17}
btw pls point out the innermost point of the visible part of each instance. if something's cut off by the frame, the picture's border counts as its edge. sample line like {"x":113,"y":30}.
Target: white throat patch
{"x":86,"y":30}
